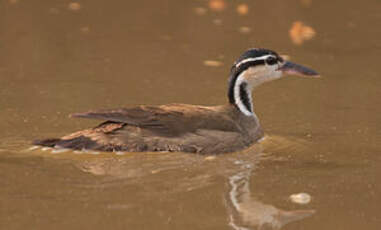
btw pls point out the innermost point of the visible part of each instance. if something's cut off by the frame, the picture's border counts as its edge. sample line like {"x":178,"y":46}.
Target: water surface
{"x":323,"y":135}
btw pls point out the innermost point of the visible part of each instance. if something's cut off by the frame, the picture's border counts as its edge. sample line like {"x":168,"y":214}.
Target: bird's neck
{"x":240,"y":92}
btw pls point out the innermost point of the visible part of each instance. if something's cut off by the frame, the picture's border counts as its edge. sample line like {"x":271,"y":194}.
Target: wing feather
{"x":174,"y":119}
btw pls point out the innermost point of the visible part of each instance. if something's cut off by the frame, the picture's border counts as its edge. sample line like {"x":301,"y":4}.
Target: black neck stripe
{"x":235,"y":72}
{"x":245,"y":97}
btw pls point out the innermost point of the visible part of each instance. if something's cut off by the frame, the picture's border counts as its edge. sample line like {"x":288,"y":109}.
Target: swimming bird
{"x":183,"y":127}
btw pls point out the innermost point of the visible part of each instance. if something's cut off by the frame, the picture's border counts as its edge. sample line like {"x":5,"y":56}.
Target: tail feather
{"x":78,"y":143}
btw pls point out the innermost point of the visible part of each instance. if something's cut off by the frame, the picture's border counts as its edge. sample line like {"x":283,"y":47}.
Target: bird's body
{"x":173,"y":127}
{"x":182,"y":127}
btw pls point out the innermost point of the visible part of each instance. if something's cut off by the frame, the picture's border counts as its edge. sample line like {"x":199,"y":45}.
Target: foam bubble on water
{"x":301,"y":198}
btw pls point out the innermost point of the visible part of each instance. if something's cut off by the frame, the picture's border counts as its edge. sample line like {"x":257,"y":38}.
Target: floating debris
{"x":213,"y":63}
{"x":200,"y":10}
{"x":244,"y":29}
{"x":120,"y":153}
{"x":299,"y":33}
{"x":217,"y":5}
{"x":242,"y":9}
{"x":74,"y":6}
{"x":301,"y":198}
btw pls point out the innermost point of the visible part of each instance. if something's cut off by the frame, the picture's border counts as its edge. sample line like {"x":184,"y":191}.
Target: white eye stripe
{"x":254,"y":59}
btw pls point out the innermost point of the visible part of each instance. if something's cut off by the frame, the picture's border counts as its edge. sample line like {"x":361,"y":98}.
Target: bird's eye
{"x":271,"y":60}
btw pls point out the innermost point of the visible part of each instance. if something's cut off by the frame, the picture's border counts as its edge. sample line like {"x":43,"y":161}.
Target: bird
{"x":183,"y":127}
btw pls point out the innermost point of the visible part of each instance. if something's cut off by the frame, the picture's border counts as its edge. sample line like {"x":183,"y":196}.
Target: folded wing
{"x":173,"y":119}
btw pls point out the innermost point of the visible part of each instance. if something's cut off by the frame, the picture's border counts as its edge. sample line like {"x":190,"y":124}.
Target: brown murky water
{"x":323,"y":136}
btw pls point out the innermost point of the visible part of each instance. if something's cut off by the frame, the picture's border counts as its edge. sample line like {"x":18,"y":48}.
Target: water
{"x":323,"y":135}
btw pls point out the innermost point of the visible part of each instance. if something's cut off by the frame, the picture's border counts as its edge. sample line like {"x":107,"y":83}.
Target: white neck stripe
{"x":237,"y":96}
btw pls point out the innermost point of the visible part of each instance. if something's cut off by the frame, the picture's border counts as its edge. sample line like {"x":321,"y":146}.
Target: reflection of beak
{"x":296,"y":69}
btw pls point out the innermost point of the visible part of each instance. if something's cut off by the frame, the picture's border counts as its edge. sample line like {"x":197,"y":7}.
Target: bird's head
{"x":262,"y":65}
{"x":256,"y":66}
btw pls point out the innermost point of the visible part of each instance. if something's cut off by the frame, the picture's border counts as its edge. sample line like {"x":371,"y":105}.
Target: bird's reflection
{"x":192,"y":172}
{"x":247,"y":212}
{"x":159,"y":169}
